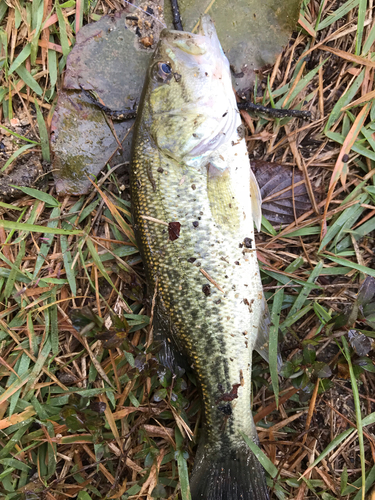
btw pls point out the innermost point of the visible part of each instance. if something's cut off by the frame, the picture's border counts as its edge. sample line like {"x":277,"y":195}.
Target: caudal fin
{"x":228,"y":475}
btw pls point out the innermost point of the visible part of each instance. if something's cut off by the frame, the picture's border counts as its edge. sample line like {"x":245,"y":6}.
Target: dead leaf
{"x":275,"y":183}
{"x":359,"y":342}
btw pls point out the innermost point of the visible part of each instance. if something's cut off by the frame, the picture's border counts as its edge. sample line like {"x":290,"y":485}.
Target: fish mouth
{"x":207,"y":27}
{"x":194,"y":43}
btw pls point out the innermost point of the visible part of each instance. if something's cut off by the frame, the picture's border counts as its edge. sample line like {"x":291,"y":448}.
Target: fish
{"x":194,"y":205}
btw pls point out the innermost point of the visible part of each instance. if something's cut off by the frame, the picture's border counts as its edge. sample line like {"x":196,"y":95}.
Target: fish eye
{"x":162,"y":72}
{"x":165,"y":68}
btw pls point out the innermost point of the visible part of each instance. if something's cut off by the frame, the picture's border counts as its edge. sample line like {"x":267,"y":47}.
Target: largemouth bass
{"x":193,"y":215}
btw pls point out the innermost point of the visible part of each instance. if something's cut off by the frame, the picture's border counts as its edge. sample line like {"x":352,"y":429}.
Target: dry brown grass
{"x":150,"y":416}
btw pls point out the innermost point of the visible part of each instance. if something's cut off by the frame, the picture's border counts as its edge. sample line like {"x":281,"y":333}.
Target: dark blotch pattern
{"x":248,"y":242}
{"x":174,"y":230}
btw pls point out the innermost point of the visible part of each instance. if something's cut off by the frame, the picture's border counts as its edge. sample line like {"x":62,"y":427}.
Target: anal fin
{"x":169,"y":354}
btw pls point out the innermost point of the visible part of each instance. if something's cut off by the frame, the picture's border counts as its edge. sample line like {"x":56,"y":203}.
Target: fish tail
{"x":228,"y":475}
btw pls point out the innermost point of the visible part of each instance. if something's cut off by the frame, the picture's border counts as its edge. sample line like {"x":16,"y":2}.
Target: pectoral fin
{"x":256,"y":200}
{"x":224,"y":210}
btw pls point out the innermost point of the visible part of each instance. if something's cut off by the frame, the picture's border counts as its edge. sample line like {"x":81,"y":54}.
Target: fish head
{"x":191,"y":104}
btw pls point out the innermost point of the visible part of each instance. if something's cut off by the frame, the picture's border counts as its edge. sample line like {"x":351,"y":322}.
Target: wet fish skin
{"x":190,"y":166}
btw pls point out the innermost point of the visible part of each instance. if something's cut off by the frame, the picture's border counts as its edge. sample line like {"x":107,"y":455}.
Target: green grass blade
{"x":321,"y":6}
{"x":183,"y":475}
{"x":261,"y":456}
{"x":357,"y":405}
{"x":344,"y":221}
{"x":52,"y":65}
{"x":360,"y":25}
{"x":44,"y":139}
{"x":3,"y":10}
{"x":296,"y":264}
{"x":321,"y":313}
{"x":13,"y":441}
{"x":54,"y":325}
{"x":67,"y":257}
{"x":8,"y":206}
{"x":295,"y":317}
{"x":28,"y":79}
{"x":14,"y":271}
{"x":268,"y":226}
{"x":88,"y":210}
{"x":62,"y":28}
{"x":344,"y":100}
{"x":18,"y":135}
{"x":40,"y":362}
{"x":338,"y":14}
{"x":97,"y":261}
{"x":83,"y":495}
{"x":16,"y":154}
{"x":301,"y":299}
{"x":21,"y":367}
{"x":358,"y":233}
{"x":332,"y":445}
{"x":44,"y":248}
{"x":119,"y":252}
{"x":51,"y":451}
{"x":357,"y":147}
{"x":352,"y":265}
{"x":71,"y":219}
{"x":302,"y":84}
{"x":344,"y":480}
{"x":48,"y":199}
{"x":16,"y":464}
{"x":369,"y":420}
{"x":181,"y":456}
{"x":37,"y":18}
{"x":82,"y":257}
{"x":368,"y":135}
{"x":30,"y":220}
{"x":286,"y":280}
{"x":32,"y":337}
{"x":369,"y":41}
{"x":22,"y":56}
{"x":22,"y":277}
{"x":17,"y":384}
{"x":21,"y":226}
{"x":304,"y":231}
{"x":370,"y":480}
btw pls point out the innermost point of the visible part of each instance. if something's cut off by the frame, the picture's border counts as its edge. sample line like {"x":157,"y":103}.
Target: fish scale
{"x":209,"y":301}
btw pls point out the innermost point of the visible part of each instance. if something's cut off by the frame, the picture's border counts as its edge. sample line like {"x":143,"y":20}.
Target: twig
{"x":274,"y":112}
{"x":120,"y":115}
{"x":206,"y":275}
{"x":116,"y":115}
{"x":177,"y":23}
